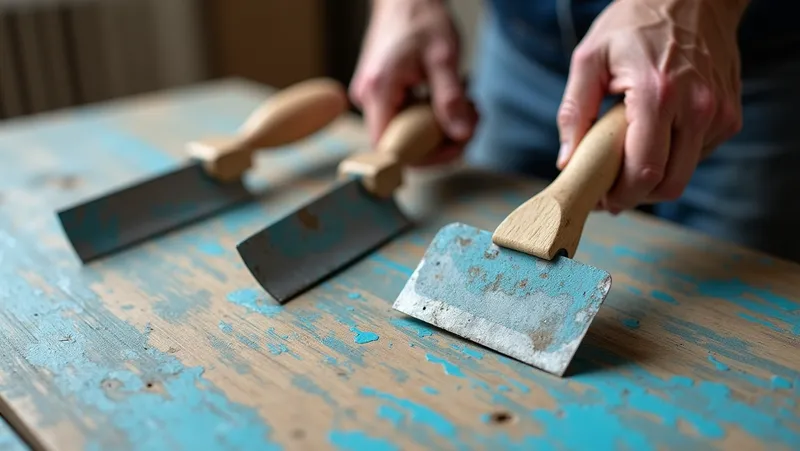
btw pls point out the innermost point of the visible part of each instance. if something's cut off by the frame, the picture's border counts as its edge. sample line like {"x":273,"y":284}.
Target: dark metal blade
{"x":306,"y":246}
{"x":143,"y":210}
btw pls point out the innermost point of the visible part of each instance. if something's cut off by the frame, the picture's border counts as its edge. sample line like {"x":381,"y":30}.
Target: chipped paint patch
{"x":387,"y":412}
{"x":717,"y":364}
{"x":225,"y":327}
{"x":474,"y":353}
{"x":361,"y":337}
{"x":254,"y":301}
{"x":430,"y":390}
{"x":420,"y":328}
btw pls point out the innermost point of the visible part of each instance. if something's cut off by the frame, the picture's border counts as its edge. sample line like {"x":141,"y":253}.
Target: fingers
{"x":581,"y":101}
{"x":379,"y":94}
{"x":450,"y":103}
{"x":647,"y":146}
{"x":688,"y":139}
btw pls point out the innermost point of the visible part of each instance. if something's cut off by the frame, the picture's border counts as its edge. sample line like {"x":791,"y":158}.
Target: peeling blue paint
{"x":253,"y":300}
{"x":634,"y":290}
{"x":621,"y":251}
{"x":354,"y":295}
{"x":225,"y":327}
{"x":780,"y":383}
{"x":359,"y":441}
{"x":717,"y":364}
{"x":211,"y":248}
{"x":448,"y":367}
{"x":247,"y":342}
{"x":753,"y":319}
{"x":229,"y":356}
{"x":430,"y":390}
{"x":362,"y":337}
{"x":399,"y":374}
{"x":422,"y":330}
{"x":386,"y":412}
{"x":417,"y":412}
{"x":474,"y":353}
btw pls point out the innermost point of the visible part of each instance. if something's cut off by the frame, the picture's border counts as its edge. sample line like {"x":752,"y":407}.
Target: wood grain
{"x":172,"y":344}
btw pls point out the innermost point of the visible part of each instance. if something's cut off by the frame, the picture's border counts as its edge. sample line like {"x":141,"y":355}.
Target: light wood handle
{"x":412,"y":135}
{"x":287,"y":116}
{"x":552,"y":221}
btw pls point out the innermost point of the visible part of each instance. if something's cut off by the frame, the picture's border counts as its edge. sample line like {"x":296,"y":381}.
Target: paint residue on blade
{"x":534,"y":310}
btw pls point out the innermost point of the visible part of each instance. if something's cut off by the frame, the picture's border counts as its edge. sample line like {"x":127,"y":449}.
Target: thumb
{"x":450,"y":103}
{"x":581,"y":102}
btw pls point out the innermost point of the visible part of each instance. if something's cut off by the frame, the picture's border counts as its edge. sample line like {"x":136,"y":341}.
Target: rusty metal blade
{"x":533,"y":310}
{"x":308,"y":245}
{"x":146,"y":209}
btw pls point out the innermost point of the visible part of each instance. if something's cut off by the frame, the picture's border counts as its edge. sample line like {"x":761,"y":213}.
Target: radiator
{"x":60,"y":53}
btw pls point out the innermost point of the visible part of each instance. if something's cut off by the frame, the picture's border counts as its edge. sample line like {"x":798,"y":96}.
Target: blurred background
{"x":60,"y":53}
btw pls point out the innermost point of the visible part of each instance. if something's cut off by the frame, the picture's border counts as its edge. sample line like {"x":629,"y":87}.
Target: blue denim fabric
{"x":747,"y":192}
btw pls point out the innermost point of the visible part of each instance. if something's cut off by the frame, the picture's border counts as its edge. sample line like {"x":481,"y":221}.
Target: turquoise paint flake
{"x":630,"y":323}
{"x":466,"y":350}
{"x":448,"y":367}
{"x":362,"y":337}
{"x":211,"y":248}
{"x":225,"y":327}
{"x":779,"y":382}
{"x":663,"y":297}
{"x":251,"y":300}
{"x":417,"y":412}
{"x":277,"y":348}
{"x":503,"y":388}
{"x":420,"y":328}
{"x":330,"y":360}
{"x":518,"y":385}
{"x":386,"y":412}
{"x":430,"y":390}
{"x":229,"y":356}
{"x":717,"y":364}
{"x":354,"y":354}
{"x":359,"y":441}
{"x":353,"y":295}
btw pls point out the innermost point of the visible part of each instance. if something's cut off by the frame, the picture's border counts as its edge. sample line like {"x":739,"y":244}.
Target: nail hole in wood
{"x":500,"y":417}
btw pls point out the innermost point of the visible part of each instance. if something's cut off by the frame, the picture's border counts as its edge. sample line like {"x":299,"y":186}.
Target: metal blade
{"x":146,"y":209}
{"x":322,"y":237}
{"x":533,"y":310}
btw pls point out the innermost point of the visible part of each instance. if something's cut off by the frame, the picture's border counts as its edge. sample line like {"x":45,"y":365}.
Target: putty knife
{"x":355,"y":216}
{"x":211,"y":182}
{"x":518,"y":291}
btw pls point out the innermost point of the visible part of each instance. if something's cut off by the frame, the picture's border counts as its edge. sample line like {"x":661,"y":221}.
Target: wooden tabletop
{"x":172,"y":345}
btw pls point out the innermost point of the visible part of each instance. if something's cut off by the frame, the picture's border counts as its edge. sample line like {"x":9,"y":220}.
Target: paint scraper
{"x":209,"y":183}
{"x":519,"y":291}
{"x":354,"y":217}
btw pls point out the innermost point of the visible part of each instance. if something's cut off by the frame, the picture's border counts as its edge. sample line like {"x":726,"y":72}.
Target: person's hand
{"x":677,"y":64}
{"x":408,"y":43}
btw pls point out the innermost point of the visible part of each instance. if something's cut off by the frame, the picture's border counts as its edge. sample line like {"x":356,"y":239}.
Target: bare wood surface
{"x":172,"y":345}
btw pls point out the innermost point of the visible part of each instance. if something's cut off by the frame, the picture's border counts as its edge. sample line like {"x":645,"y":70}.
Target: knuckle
{"x":704,"y":102}
{"x":647,"y":175}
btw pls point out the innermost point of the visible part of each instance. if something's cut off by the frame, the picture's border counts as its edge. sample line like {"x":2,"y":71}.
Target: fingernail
{"x":562,"y":154}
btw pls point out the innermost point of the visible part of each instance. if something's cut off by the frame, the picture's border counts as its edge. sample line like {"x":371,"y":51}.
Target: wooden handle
{"x":552,"y":221}
{"x":413,"y":134}
{"x":287,"y":116}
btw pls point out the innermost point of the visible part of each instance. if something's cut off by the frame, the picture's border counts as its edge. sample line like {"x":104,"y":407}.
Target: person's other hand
{"x":677,"y":64}
{"x":407,"y":43}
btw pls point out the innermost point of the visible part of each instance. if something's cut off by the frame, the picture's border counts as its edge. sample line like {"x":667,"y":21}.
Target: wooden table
{"x":172,"y":345}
